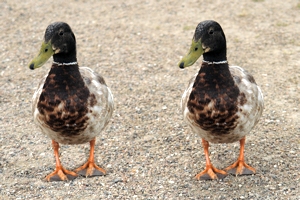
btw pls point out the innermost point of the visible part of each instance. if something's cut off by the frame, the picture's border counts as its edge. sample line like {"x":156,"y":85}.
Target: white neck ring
{"x":215,"y":63}
{"x":70,"y":63}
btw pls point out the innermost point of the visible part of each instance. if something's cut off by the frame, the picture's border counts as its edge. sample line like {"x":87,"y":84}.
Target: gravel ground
{"x":148,"y":150}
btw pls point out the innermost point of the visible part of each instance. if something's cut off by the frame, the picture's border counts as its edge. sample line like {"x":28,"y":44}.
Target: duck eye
{"x":46,"y":50}
{"x":61,"y":33}
{"x":196,"y":48}
{"x":210,"y":31}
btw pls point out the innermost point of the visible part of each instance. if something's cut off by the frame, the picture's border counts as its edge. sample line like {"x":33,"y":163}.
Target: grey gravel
{"x":147,"y":149}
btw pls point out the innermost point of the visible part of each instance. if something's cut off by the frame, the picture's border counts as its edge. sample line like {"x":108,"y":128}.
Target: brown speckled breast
{"x":213,"y":100}
{"x":63,"y":106}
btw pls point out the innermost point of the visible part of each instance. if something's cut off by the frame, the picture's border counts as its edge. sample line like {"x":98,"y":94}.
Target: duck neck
{"x":69,"y":57}
{"x":214,"y":76}
{"x":215,"y":56}
{"x":65,"y":80}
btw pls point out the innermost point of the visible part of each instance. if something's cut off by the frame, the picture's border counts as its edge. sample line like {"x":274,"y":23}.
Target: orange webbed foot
{"x":61,"y":174}
{"x":240,"y":168}
{"x":90,"y":169}
{"x":211,"y":173}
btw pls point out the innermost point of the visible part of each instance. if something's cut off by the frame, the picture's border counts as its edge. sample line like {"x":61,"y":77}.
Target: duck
{"x":222,"y":103}
{"x":71,"y":105}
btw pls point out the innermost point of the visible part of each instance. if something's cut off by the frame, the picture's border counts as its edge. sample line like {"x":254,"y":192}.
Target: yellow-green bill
{"x":45,"y":53}
{"x":194,"y":53}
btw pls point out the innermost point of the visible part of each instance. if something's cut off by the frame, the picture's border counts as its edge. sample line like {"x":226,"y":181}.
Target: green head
{"x":59,"y":42}
{"x":209,"y":41}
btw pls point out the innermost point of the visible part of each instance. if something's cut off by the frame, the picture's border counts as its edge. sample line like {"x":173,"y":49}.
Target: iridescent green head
{"x":59,"y":42}
{"x":209,"y":40}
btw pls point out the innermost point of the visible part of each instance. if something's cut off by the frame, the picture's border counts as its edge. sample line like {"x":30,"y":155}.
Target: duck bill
{"x":45,"y":53}
{"x":194,"y":53}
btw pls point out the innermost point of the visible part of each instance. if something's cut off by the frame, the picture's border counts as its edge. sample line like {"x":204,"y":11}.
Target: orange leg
{"x":60,"y":173}
{"x":210,"y":171}
{"x":90,"y":168}
{"x":240,"y":167}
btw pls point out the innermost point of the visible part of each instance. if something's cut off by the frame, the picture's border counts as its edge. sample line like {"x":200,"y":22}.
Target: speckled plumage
{"x":224,"y":114}
{"x":222,"y":103}
{"x":74,"y":106}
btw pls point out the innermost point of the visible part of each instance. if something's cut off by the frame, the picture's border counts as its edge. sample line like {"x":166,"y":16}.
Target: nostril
{"x":181,"y":65}
{"x":31,"y":66}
